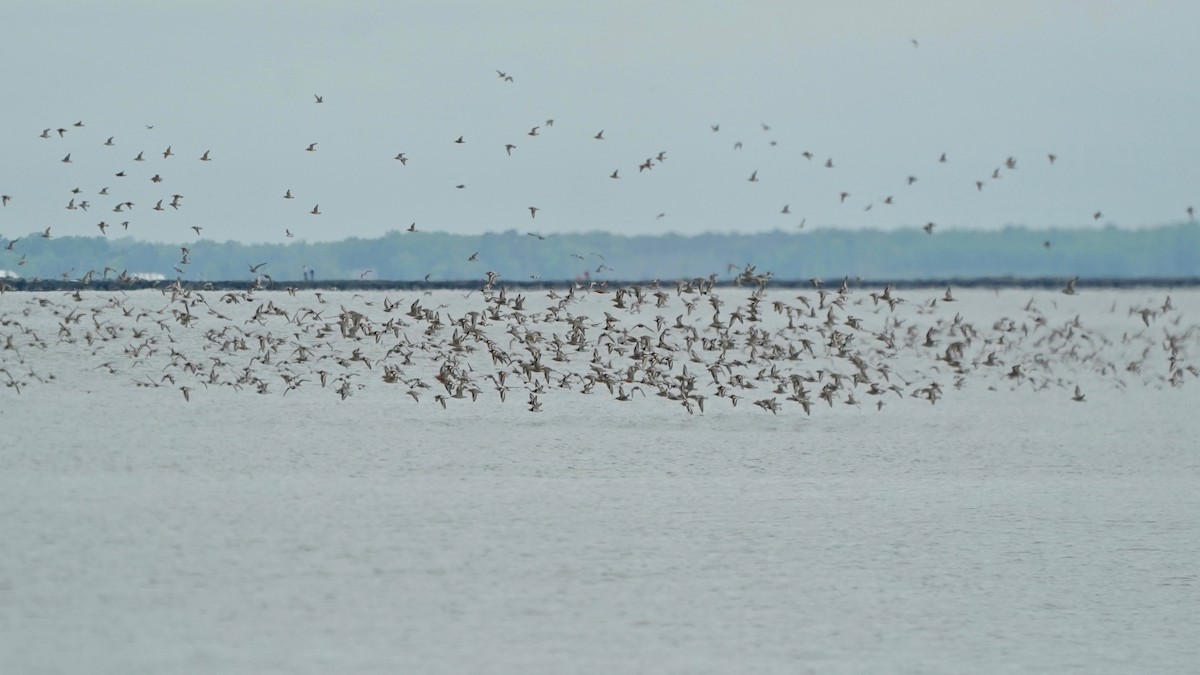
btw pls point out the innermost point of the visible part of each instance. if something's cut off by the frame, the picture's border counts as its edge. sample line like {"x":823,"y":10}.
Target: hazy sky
{"x":1112,"y":88}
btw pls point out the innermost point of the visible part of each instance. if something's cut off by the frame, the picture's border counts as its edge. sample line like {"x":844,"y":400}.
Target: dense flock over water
{"x":691,"y":344}
{"x":593,"y":479}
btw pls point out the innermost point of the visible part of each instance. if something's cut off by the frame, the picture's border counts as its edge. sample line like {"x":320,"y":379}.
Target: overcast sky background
{"x":1112,"y":88}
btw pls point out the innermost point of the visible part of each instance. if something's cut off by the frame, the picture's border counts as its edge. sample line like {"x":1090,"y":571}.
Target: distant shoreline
{"x":51,"y":285}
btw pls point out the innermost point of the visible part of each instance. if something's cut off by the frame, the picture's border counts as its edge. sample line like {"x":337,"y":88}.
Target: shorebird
{"x":1070,"y":288}
{"x":459,"y":140}
{"x":319,"y":98}
{"x":614,"y":174}
{"x":928,"y":227}
{"x":533,"y":131}
{"x":254,"y":268}
{"x":205,"y":157}
{"x":401,"y":158}
{"x":599,"y":136}
{"x":109,"y":141}
{"x":288,"y":195}
{"x":753,"y":177}
{"x":312,"y":147}
{"x":316,"y":210}
{"x":533,"y":211}
{"x":139,"y":157}
{"x":167,"y":153}
{"x":508,"y":148}
{"x":5,"y":199}
{"x":67,"y":159}
{"x":1078,"y":397}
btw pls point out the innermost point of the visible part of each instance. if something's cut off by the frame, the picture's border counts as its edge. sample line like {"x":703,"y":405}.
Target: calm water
{"x":1005,"y":528}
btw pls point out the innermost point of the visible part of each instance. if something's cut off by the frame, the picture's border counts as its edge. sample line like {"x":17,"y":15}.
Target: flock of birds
{"x":107,"y":204}
{"x":693,"y":344}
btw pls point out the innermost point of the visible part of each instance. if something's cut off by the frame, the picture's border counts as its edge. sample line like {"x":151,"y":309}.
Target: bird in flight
{"x":754,"y":177}
{"x":401,"y":158}
{"x":508,"y":147}
{"x":316,"y":211}
{"x":67,"y":159}
{"x":533,"y":211}
{"x":312,"y":147}
{"x":459,"y":140}
{"x":288,"y":195}
{"x":167,"y":153}
{"x":205,"y":157}
{"x":255,"y":268}
{"x":320,"y":99}
{"x":599,"y":136}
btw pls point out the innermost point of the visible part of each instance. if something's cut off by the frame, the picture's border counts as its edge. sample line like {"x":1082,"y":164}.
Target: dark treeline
{"x":1015,"y":252}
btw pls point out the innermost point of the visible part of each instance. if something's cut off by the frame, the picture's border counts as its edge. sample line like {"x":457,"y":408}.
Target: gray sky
{"x":1112,"y":88}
